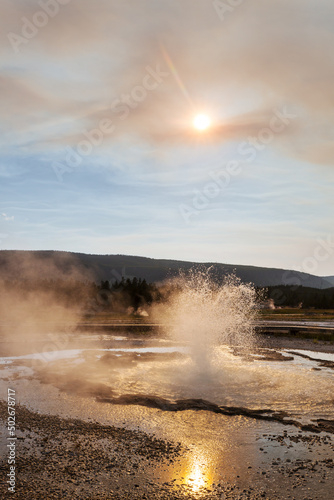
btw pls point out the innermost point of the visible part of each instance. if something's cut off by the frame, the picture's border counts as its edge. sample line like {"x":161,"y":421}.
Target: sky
{"x":99,"y":153}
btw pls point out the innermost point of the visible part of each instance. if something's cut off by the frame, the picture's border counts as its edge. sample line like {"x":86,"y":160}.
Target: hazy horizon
{"x":162,"y":258}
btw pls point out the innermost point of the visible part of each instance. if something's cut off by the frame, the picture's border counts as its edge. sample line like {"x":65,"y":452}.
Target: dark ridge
{"x":200,"y":404}
{"x":25,"y":263}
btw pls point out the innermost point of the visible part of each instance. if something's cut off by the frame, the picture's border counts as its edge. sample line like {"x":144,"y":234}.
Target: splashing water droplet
{"x":206,"y":314}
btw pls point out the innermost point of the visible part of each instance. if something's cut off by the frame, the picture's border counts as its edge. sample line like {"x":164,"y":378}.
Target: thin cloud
{"x":7,"y":217}
{"x":280,"y":50}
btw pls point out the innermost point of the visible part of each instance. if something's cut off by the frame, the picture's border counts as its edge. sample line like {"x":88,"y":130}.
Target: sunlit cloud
{"x":291,"y":67}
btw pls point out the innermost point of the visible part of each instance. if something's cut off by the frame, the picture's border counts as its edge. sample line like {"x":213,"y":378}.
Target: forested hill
{"x":17,"y":264}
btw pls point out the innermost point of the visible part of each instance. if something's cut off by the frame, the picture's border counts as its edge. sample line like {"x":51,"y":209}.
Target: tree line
{"x":126,"y":295}
{"x":299,"y":296}
{"x":134,"y":295}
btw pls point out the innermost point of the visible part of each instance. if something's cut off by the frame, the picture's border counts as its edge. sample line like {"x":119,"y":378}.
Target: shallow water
{"x":229,"y":376}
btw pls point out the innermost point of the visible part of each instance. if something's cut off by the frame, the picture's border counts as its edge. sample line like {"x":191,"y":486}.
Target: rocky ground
{"x":64,"y":458}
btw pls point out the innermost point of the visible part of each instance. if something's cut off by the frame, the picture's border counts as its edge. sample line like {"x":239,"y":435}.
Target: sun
{"x":201,"y":122}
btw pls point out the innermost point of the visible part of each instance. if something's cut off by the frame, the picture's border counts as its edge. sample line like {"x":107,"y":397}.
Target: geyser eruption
{"x":205,"y":314}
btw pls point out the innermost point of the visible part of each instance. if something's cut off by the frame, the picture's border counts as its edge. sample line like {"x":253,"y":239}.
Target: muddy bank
{"x":67,"y":458}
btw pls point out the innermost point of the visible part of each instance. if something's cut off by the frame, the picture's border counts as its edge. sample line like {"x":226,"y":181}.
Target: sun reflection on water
{"x":196,"y":479}
{"x":197,"y":474}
